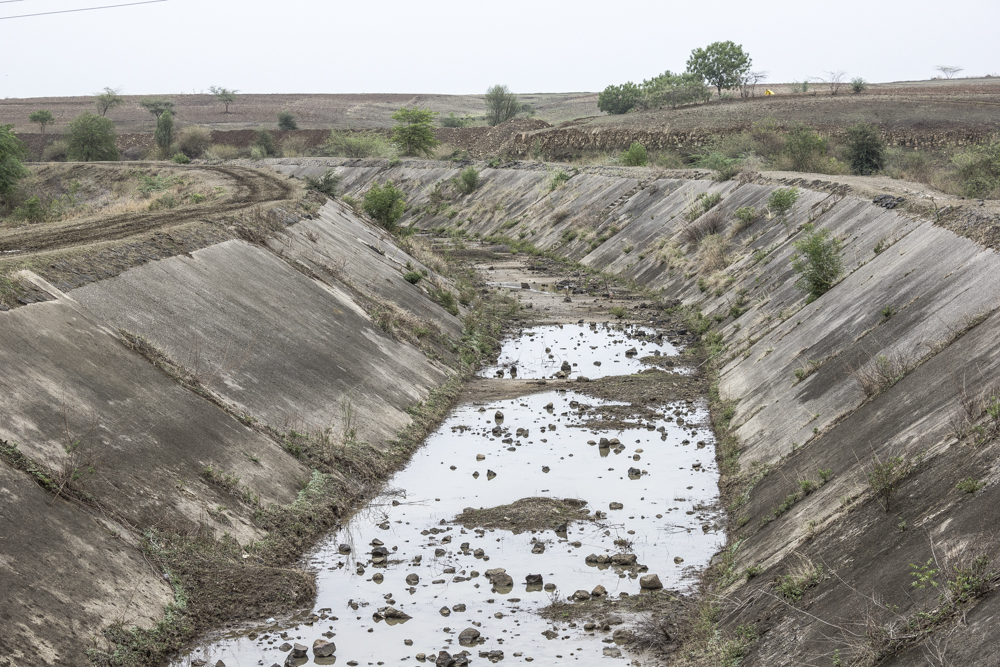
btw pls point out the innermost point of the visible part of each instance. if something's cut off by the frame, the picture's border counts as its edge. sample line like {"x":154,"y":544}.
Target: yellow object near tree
{"x":768,"y":91}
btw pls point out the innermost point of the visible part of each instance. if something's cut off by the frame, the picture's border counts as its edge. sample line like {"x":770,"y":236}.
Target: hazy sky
{"x":445,"y":46}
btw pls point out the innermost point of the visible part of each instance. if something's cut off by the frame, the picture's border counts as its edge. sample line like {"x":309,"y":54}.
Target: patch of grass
{"x":884,"y":475}
{"x":970,"y":485}
{"x":794,"y":585}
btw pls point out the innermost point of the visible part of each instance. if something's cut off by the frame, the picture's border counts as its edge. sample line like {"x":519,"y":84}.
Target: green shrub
{"x":193,"y":141}
{"x":286,"y":121}
{"x":164,"y":135}
{"x":180,"y":158}
{"x":91,"y":138}
{"x":805,"y":148}
{"x":558,"y":179}
{"x":817,"y":261}
{"x":32,"y":210}
{"x":858,"y":85}
{"x":413,"y":277}
{"x":451,"y":120}
{"x":669,"y":89}
{"x":725,"y":168}
{"x":781,"y":200}
{"x":446,"y":299}
{"x":865,"y":149}
{"x":745,"y":216}
{"x":969,"y":485}
{"x":979,"y":171}
{"x":385,"y":204}
{"x":326,"y":184}
{"x":619,"y":99}
{"x":468,"y":180}
{"x":55,"y":152}
{"x":265,"y":142}
{"x":635,"y":156}
{"x":358,"y":145}
{"x":618,"y":311}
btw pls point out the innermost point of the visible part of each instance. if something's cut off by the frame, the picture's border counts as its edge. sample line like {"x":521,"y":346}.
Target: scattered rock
{"x":533,"y":579}
{"x":323,"y":649}
{"x":678,"y":560}
{"x":299,"y":651}
{"x":468,"y":635}
{"x":444,"y":611}
{"x":344,"y":548}
{"x":580,"y":596}
{"x":616,"y":506}
{"x":599,"y":591}
{"x":538,"y":548}
{"x":378,"y":577}
{"x":650,"y":582}
{"x":285,"y":647}
{"x":612,"y":652}
{"x":623,"y":560}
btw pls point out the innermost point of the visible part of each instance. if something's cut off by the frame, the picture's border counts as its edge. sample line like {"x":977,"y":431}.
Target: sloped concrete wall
{"x":267,"y":332}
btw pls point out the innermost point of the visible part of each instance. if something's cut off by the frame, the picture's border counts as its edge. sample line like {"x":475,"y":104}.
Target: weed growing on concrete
{"x":883,"y":371}
{"x":884,"y":475}
{"x":970,"y":485}
{"x":794,"y":585}
{"x":231,"y":484}
{"x":817,"y":261}
{"x":327,"y":184}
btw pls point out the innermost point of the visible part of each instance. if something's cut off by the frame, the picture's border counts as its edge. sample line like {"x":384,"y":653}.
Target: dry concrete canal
{"x":521,"y":529}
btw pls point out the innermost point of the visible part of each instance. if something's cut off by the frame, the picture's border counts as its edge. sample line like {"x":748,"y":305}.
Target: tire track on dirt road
{"x":251,"y":187}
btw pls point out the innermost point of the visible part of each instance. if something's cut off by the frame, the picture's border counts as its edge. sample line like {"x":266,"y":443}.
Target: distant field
{"x":311,"y":111}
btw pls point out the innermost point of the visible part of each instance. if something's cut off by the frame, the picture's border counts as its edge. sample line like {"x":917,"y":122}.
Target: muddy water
{"x":478,"y":460}
{"x":591,"y":350}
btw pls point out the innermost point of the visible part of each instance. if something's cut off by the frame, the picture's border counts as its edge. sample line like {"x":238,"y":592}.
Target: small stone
{"x":533,"y":579}
{"x":616,"y":506}
{"x":612,"y":652}
{"x":378,"y":577}
{"x":678,"y":560}
{"x":538,"y":548}
{"x":344,"y":548}
{"x":285,"y":647}
{"x":300,"y":651}
{"x":468,"y":635}
{"x":650,"y":582}
{"x":580,"y":596}
{"x":549,"y":587}
{"x":599,"y":591}
{"x":480,"y":457}
{"x":412,"y":579}
{"x":444,"y":611}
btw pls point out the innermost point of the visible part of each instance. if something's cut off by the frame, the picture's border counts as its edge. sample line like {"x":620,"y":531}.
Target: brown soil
{"x":526,"y":514}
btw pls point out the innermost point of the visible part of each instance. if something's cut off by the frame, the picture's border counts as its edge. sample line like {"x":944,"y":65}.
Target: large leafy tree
{"x":12,"y":154}
{"x":722,"y":64}
{"x":414,"y":132}
{"x":156,"y":106}
{"x":501,"y":105}
{"x":91,"y":138}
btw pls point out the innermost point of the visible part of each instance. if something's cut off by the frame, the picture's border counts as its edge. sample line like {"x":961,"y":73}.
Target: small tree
{"x":748,"y":86}
{"x":12,"y":154}
{"x":91,"y":138}
{"x":286,"y":121}
{"x":948,"y":70}
{"x":164,"y":135}
{"x":107,"y":100}
{"x":781,"y":200}
{"x":224,"y":95}
{"x":43,"y":117}
{"x":621,"y":99}
{"x":193,"y":140}
{"x":865,"y":149}
{"x":722,"y":64}
{"x":858,"y":85}
{"x":817,"y":261}
{"x":385,"y":204}
{"x":501,"y":105}
{"x":835,"y":80}
{"x":156,"y":106}
{"x":414,"y":132}
{"x":635,"y":156}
